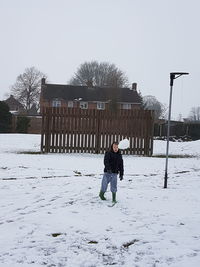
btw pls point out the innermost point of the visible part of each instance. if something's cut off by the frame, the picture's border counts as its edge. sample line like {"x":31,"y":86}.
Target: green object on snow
{"x":101,"y":195}
{"x":114,"y":198}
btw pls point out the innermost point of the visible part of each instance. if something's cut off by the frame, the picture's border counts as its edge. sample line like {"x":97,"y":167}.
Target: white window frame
{"x":100,"y":105}
{"x":83,"y":105}
{"x":70,"y":104}
{"x":56,"y":103}
{"x":126,"y":106}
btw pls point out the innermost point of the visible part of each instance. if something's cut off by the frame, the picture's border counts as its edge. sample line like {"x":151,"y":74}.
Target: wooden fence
{"x":66,"y":130}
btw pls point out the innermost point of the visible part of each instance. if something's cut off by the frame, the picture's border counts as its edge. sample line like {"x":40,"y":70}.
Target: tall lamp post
{"x":173,"y":76}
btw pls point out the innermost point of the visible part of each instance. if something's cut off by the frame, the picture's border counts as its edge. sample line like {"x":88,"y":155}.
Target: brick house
{"x":86,"y":97}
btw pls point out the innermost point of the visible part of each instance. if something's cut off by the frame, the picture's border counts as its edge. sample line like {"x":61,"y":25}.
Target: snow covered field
{"x":50,"y":213}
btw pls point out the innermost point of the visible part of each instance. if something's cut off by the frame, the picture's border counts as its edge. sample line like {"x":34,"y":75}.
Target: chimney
{"x":43,"y":81}
{"x":134,"y":86}
{"x":43,"y":86}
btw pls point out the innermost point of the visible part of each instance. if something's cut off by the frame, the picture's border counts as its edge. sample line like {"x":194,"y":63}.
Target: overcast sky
{"x":147,"y":39}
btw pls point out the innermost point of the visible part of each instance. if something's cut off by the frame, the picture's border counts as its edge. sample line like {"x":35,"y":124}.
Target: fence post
{"x":42,"y":132}
{"x":97,"y":134}
{"x":47,"y":131}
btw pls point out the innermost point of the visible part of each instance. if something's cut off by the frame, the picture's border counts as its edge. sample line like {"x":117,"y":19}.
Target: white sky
{"x":147,"y":39}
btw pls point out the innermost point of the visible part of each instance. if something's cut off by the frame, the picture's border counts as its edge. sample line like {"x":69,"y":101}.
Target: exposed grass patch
{"x":30,"y":152}
{"x":56,"y":234}
{"x":126,"y":245}
{"x":34,"y":177}
{"x":79,"y":173}
{"x":174,"y":156}
{"x":182,"y":172}
{"x":92,"y":242}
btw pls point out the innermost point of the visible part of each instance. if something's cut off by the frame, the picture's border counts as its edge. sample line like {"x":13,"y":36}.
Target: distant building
{"x":86,"y":97}
{"x":14,"y":105}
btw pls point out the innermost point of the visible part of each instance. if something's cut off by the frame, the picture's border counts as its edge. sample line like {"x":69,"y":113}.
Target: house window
{"x":56,"y":103}
{"x":126,"y":106}
{"x":84,"y":105}
{"x":70,"y":104}
{"x":100,"y":105}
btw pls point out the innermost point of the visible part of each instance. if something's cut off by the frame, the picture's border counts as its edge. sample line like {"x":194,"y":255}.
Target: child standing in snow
{"x":113,"y":165}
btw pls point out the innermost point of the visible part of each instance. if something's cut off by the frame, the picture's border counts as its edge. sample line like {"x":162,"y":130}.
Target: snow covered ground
{"x":50,"y":213}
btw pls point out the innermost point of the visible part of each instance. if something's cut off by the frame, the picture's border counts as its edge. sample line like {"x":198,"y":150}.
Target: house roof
{"x":84,"y":93}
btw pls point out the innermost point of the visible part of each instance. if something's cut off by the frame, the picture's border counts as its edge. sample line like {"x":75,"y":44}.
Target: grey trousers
{"x":109,"y":178}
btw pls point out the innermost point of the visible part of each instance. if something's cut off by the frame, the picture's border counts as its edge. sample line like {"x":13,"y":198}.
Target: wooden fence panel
{"x":69,"y":130}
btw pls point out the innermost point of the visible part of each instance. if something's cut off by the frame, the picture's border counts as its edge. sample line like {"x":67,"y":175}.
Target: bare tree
{"x":151,"y":103}
{"x":99,"y":74}
{"x":194,"y":114}
{"x":27,"y":87}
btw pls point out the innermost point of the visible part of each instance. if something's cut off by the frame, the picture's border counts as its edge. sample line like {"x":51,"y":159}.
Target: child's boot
{"x":114,"y":198}
{"x":101,"y":195}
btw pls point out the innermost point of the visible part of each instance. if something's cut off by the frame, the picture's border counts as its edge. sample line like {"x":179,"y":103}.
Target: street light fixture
{"x":173,"y":76}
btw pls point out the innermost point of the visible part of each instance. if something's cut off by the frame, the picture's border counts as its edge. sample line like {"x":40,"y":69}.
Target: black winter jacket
{"x":113,"y":162}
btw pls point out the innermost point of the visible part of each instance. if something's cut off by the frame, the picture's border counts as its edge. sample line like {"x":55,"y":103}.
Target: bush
{"x":5,"y":118}
{"x":22,"y":124}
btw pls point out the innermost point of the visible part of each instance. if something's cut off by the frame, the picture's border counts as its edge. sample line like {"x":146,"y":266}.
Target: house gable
{"x":14,"y":105}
